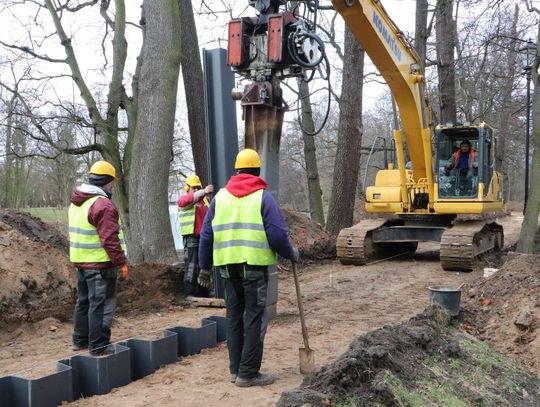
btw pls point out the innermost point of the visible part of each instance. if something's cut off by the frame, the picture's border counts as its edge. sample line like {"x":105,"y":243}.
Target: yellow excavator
{"x":425,"y":199}
{"x":421,"y":199}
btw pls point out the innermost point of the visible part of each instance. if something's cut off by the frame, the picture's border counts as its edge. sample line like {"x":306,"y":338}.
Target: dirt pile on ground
{"x":36,"y":278}
{"x":150,"y":287}
{"x":311,"y":239}
{"x":38,"y":281}
{"x":505,"y":308}
{"x":427,"y":360}
{"x":35,"y":229}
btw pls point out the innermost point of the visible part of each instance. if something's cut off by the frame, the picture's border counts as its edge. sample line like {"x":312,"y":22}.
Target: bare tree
{"x":103,"y":122}
{"x":193,"y":85}
{"x":422,"y":32}
{"x":340,"y":212}
{"x":445,"y":29}
{"x":312,"y":170}
{"x":529,"y":228}
{"x":160,"y":64}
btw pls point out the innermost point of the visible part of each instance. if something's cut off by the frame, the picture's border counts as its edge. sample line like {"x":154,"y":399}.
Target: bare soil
{"x":341,"y":302}
{"x":497,"y":302}
{"x":36,"y":277}
{"x":427,"y":360}
{"x":309,"y":237}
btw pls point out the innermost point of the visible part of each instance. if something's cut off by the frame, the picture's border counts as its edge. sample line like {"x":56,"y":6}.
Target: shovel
{"x":307,"y":356}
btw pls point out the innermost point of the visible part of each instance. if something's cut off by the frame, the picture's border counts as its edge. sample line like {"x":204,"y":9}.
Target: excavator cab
{"x":464,"y":161}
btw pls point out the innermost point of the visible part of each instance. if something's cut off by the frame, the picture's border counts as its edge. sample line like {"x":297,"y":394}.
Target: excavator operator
{"x":463,"y":165}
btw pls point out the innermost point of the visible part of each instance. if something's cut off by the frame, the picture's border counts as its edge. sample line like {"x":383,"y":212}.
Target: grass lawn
{"x":49,"y":214}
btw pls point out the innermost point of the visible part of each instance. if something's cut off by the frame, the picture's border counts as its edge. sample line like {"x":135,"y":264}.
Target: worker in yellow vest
{"x":97,"y":250}
{"x":242,"y":234}
{"x":192,"y":207}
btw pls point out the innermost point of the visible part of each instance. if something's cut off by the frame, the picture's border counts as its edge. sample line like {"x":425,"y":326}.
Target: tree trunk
{"x":312,"y":170}
{"x":194,"y":88}
{"x":446,"y":41}
{"x":340,"y":213}
{"x":529,"y":228}
{"x":8,"y":166}
{"x":506,"y":112}
{"x":421,"y":32}
{"x":151,"y":238}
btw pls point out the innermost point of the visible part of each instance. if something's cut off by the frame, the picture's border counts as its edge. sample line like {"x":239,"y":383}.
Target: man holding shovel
{"x":242,"y":232}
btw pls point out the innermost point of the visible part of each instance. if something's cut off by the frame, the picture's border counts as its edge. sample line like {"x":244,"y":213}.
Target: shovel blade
{"x":307,"y":360}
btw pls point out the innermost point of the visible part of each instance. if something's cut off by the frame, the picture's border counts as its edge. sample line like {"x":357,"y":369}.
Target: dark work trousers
{"x":191,"y":268}
{"x":245,"y":297}
{"x":94,"y":311}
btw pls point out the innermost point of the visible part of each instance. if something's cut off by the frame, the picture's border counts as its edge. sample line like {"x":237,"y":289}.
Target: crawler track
{"x":355,"y":244}
{"x":462,"y":243}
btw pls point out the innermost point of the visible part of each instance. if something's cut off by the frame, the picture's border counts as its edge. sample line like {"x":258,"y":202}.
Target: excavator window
{"x":459,"y":158}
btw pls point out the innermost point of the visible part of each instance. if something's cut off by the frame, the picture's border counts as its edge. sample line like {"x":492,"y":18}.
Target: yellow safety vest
{"x":84,"y":243}
{"x":239,"y":235}
{"x":187,"y":219}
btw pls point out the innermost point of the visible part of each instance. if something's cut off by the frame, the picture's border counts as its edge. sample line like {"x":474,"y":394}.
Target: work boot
{"x":103,"y":351}
{"x":77,"y":348}
{"x":261,"y":379}
{"x":233,"y":377}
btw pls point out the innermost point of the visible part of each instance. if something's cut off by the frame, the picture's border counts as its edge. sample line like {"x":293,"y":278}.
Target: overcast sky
{"x":86,"y":29}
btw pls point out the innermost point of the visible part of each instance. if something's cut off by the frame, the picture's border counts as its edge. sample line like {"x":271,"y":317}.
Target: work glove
{"x":204,"y":278}
{"x":123,"y":272}
{"x":296,"y":255}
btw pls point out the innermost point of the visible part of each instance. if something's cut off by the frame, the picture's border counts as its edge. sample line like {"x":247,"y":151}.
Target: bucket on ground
{"x":447,"y":297}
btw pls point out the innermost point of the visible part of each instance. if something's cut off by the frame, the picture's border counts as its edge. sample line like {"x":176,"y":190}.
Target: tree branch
{"x":27,"y":50}
{"x":46,"y":138}
{"x":103,"y":11}
{"x":74,"y":65}
{"x":77,"y":7}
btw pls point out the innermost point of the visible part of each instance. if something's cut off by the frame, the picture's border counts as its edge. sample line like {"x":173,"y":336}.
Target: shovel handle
{"x":300,"y":306}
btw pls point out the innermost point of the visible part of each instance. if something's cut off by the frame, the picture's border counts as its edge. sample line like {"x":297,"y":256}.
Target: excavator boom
{"x":400,"y":67}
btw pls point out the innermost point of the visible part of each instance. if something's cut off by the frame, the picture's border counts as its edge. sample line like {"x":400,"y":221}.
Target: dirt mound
{"x":505,"y":308}
{"x":36,"y":278}
{"x":426,"y":361}
{"x":38,"y":281}
{"x":35,"y":229}
{"x":311,"y":239}
{"x":150,"y":287}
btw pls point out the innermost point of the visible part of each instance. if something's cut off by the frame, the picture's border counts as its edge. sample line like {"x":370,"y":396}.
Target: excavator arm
{"x":400,"y":67}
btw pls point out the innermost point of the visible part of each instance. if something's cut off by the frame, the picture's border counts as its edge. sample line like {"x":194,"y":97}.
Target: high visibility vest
{"x":239,"y":235}
{"x":458,"y":154}
{"x":187,"y":218}
{"x":84,"y":243}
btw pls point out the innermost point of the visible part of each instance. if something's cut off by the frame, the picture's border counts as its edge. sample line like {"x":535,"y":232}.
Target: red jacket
{"x":186,"y":201}
{"x":104,"y":216}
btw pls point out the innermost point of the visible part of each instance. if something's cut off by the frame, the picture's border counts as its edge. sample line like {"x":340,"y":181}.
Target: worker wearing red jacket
{"x":192,"y":208}
{"x":97,"y":250}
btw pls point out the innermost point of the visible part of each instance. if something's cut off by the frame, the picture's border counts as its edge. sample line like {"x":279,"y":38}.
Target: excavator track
{"x":355,"y":245}
{"x":462,"y":243}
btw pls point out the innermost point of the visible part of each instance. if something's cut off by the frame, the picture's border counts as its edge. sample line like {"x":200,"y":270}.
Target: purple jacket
{"x":274,"y":226}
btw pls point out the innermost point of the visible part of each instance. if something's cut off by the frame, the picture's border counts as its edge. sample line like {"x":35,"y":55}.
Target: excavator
{"x":426,"y":198}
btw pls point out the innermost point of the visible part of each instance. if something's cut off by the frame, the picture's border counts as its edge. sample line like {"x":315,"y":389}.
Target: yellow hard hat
{"x":103,"y":168}
{"x":247,"y":158}
{"x":193,"y":181}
